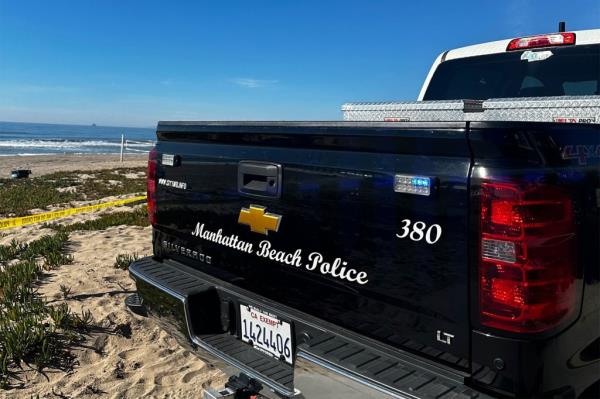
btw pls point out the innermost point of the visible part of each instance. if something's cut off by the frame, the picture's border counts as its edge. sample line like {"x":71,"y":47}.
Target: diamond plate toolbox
{"x":411,"y":111}
{"x":565,"y":109}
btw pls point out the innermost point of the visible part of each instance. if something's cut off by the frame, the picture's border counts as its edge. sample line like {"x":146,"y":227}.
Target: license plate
{"x":266,"y":332}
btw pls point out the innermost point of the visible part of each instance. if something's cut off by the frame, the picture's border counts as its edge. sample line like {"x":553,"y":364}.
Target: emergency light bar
{"x":554,"y":39}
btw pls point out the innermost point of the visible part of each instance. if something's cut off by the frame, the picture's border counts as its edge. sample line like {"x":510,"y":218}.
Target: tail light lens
{"x":555,"y":39}
{"x":527,"y":257}
{"x":151,"y":185}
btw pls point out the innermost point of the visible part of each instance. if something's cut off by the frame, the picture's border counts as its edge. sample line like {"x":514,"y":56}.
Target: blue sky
{"x":131,"y":63}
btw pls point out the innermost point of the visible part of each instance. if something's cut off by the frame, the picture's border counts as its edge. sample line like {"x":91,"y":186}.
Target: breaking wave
{"x":17,"y":138}
{"x":71,"y":144}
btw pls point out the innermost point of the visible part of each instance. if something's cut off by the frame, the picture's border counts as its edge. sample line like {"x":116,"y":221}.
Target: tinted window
{"x":566,"y":71}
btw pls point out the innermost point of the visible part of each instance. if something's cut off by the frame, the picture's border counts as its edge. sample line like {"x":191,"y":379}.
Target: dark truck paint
{"x":408,"y":316}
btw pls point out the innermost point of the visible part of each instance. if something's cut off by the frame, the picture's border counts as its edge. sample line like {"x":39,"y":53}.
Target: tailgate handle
{"x":259,"y":179}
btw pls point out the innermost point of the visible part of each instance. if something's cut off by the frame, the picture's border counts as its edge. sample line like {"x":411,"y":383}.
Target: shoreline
{"x":45,"y":164}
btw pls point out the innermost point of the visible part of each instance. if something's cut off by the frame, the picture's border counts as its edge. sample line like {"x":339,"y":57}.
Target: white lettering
{"x":315,"y":258}
{"x":337,"y":268}
{"x":231,"y":241}
{"x":361,"y":278}
{"x":292,"y":259}
{"x":420,"y":230}
{"x":171,"y":183}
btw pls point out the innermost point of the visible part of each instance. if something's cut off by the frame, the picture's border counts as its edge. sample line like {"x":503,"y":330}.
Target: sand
{"x":147,"y":363}
{"x":44,"y":164}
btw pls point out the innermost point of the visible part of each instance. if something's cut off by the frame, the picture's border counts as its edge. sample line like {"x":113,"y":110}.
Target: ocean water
{"x":18,"y":138}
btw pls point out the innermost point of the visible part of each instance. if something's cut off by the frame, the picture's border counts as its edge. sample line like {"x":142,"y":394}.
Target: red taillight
{"x":554,"y":39}
{"x":151,"y":185}
{"x":527,"y":257}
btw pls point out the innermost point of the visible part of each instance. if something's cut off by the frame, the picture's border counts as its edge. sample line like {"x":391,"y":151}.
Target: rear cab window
{"x":560,"y":71}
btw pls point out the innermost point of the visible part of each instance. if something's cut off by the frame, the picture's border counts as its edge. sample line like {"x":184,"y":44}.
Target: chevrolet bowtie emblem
{"x":259,"y":220}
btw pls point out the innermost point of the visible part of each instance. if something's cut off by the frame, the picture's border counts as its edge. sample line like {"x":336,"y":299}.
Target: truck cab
{"x":556,"y":64}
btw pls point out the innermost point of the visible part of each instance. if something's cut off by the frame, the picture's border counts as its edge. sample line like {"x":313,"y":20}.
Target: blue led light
{"x":418,"y":185}
{"x":420,"y":182}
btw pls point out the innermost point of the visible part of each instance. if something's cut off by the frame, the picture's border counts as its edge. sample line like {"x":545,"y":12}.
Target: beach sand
{"x":130,"y":357}
{"x":44,"y":164}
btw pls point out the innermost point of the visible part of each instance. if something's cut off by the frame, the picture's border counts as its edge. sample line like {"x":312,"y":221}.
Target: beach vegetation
{"x":33,"y":332}
{"x":124,"y":260}
{"x":50,"y":248}
{"x":19,"y":196}
{"x":136,"y":217}
{"x":10,"y":251}
{"x":65,"y":290}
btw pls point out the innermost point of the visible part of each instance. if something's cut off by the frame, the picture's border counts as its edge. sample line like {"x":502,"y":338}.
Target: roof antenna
{"x":562,"y":26}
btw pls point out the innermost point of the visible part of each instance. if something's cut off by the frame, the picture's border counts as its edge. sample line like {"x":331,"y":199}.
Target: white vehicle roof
{"x":591,"y":36}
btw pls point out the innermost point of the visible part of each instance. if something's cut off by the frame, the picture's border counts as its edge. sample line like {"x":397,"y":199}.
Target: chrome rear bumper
{"x":171,"y":292}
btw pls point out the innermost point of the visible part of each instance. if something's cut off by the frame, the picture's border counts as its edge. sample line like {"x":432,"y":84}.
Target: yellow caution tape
{"x":43,"y":217}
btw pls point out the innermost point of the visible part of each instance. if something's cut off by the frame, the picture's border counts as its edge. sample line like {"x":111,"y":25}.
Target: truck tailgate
{"x":307,"y":215}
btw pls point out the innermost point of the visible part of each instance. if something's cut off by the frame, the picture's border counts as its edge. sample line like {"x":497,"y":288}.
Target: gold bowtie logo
{"x":258,"y":220}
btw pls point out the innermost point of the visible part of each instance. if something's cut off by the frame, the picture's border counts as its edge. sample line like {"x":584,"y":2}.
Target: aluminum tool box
{"x":411,"y":111}
{"x":571,"y":109}
{"x":566,"y":109}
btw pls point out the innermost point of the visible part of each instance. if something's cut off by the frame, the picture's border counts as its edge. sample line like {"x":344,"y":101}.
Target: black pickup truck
{"x":380,"y":259}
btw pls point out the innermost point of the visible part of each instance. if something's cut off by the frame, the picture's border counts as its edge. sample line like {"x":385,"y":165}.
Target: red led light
{"x":503,"y":213}
{"x":532,"y":288}
{"x":151,"y":185}
{"x":507,"y":292}
{"x":554,"y":39}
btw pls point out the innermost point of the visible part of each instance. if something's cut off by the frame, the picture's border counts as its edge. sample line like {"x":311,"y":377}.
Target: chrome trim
{"x":231,"y":366}
{"x":157,"y":285}
{"x":284,"y":312}
{"x":363,"y":381}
